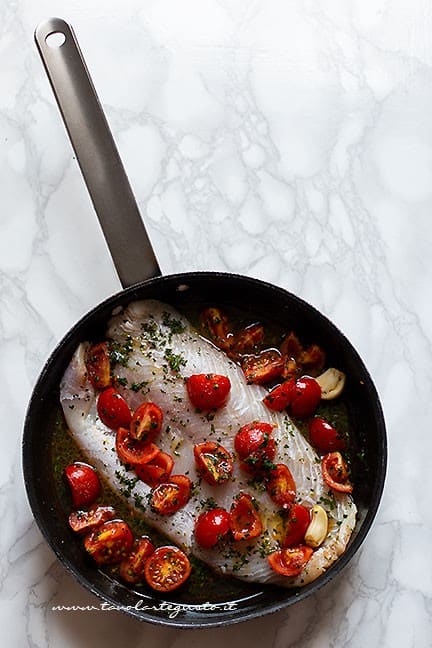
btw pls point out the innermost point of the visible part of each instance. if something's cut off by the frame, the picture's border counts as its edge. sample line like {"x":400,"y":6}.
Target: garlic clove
{"x":317,"y":530}
{"x":332,"y":383}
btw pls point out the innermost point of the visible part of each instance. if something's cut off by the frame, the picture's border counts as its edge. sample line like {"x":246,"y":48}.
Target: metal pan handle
{"x":96,"y":152}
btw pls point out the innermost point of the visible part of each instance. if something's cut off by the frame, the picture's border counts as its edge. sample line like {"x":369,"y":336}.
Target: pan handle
{"x":96,"y":152}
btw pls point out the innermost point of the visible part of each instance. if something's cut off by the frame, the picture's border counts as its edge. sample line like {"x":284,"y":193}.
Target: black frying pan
{"x":135,"y":260}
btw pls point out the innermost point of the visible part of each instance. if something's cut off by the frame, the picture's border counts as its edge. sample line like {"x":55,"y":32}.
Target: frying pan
{"x":140,"y":276}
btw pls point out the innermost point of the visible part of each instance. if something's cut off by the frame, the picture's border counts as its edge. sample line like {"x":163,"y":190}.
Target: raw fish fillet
{"x":157,"y":349}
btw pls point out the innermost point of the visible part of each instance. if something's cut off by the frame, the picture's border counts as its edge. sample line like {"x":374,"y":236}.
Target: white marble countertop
{"x":289,"y":141}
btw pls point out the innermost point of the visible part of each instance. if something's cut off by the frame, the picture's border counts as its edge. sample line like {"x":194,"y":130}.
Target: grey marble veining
{"x":290,"y":141}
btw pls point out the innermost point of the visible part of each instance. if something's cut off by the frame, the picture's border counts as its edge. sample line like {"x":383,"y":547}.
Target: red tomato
{"x":324,"y":437}
{"x":132,"y":568}
{"x":296,"y":526}
{"x":113,"y":410}
{"x":169,"y":497}
{"x":133,"y":452}
{"x":245,"y":522}
{"x":110,"y":542}
{"x":290,"y":561}
{"x":214,"y":462}
{"x":335,"y":472}
{"x":98,"y":366}
{"x":312,"y":360}
{"x":248,"y":339}
{"x":85,"y":521}
{"x":255,"y":446}
{"x":308,"y":395}
{"x":215,"y":325}
{"x":208,"y":391}
{"x":281,"y":486}
{"x":291,"y":346}
{"x":211,"y":526}
{"x":281,"y":396}
{"x":146,"y":422}
{"x":290,"y":368}
{"x":158,"y":470}
{"x":167,"y":568}
{"x":84,"y":483}
{"x":263,"y":368}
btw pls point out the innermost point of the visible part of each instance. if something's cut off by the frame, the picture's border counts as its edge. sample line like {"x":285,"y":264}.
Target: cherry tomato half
{"x":281,"y":486}
{"x":132,"y":568}
{"x":255,"y":446}
{"x":307,"y":397}
{"x":263,"y":368}
{"x":110,"y":543}
{"x":291,"y":346}
{"x":208,"y":391}
{"x":85,"y":521}
{"x":113,"y":410}
{"x":98,"y":366}
{"x":296,"y":525}
{"x":211,"y":526}
{"x":169,"y":497}
{"x":290,"y":561}
{"x":324,"y":437}
{"x":215,"y":325}
{"x":245,"y":522}
{"x":134,"y":452}
{"x":312,"y":360}
{"x":335,"y":472}
{"x":167,"y":568}
{"x":83,"y":482}
{"x":214,"y":462}
{"x":158,"y":470}
{"x":146,"y":422}
{"x":248,"y":339}
{"x":281,"y":396}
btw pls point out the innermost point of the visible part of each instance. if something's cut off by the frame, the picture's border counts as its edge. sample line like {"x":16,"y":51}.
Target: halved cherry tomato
{"x":167,"y":568}
{"x":169,"y":497}
{"x":211,"y":526}
{"x":281,"y":396}
{"x":215,"y":325}
{"x":291,"y":346}
{"x":158,"y":470}
{"x":134,"y":452}
{"x":324,"y":437}
{"x":98,"y":365}
{"x":113,"y":410}
{"x":263,"y":368}
{"x":248,"y":339}
{"x":335,"y":472}
{"x":296,"y":525}
{"x":245,"y":522}
{"x":312,"y":360}
{"x":110,"y":542}
{"x":290,"y":368}
{"x":85,"y":521}
{"x":307,"y":397}
{"x":208,"y":391}
{"x":146,"y":422}
{"x":214,"y":462}
{"x":132,"y":568}
{"x":290,"y":561}
{"x":255,"y":446}
{"x":84,"y":483}
{"x":281,"y":486}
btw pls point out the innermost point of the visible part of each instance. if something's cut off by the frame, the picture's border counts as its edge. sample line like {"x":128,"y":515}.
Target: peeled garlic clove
{"x":316,"y":532}
{"x":332,"y":383}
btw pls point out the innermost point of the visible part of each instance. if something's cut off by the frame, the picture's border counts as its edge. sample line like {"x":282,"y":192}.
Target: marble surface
{"x":289,"y":141}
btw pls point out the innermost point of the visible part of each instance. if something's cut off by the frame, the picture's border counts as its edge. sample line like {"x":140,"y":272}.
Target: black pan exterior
{"x":366,"y":421}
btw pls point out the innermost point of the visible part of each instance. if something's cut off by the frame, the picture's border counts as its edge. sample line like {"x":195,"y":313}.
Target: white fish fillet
{"x":149,"y":325}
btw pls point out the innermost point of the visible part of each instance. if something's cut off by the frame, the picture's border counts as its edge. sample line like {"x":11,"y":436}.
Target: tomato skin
{"x":281,"y":396}
{"x":248,"y":339}
{"x":208,"y":391}
{"x":167,"y":568}
{"x":214,"y":462}
{"x":134,"y":452}
{"x":146,"y":422}
{"x":215,"y":325}
{"x":307,"y":398}
{"x":211,"y":526}
{"x":312,"y":360}
{"x":281,"y":486}
{"x":132,"y":568}
{"x":245,"y":522}
{"x":263,"y":368}
{"x":291,"y":346}
{"x":255,"y":446}
{"x":290,"y":561}
{"x":85,"y":521}
{"x":157,"y":470}
{"x":169,"y":497}
{"x":83,"y":482}
{"x":335,"y":472}
{"x":297,"y":524}
{"x":110,"y":543}
{"x":113,"y":410}
{"x":98,"y":366}
{"x":324,"y":437}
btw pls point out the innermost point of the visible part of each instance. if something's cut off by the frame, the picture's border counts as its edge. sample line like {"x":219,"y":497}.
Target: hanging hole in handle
{"x":55,"y":39}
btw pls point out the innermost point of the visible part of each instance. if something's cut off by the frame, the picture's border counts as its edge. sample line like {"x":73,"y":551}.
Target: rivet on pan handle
{"x":96,"y":153}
